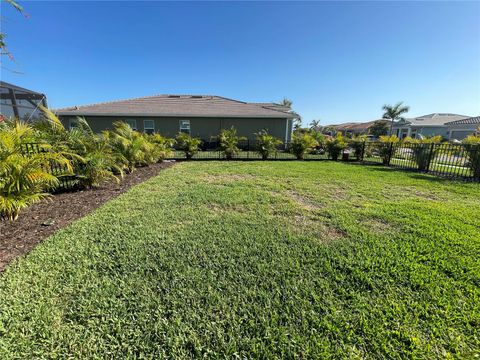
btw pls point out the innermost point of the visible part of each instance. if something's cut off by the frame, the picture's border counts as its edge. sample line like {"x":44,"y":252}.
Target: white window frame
{"x":145,"y":128}
{"x":130,"y":122}
{"x":72,"y":124}
{"x":185,"y":126}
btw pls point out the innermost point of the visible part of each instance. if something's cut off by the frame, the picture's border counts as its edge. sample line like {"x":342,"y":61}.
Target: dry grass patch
{"x":219,"y":209}
{"x":377,"y":226}
{"x":226,"y":178}
{"x":300,"y":200}
{"x":310,"y":225}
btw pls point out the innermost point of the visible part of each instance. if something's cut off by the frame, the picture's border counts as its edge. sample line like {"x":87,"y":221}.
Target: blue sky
{"x":338,"y":62}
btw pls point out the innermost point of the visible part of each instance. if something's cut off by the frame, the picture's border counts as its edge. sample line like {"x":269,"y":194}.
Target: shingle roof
{"x":467,"y":121}
{"x":179,"y":106}
{"x":435,"y":119}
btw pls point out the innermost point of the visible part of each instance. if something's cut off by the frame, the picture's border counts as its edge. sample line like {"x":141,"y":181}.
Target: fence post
{"x":390,"y":154}
{"x":248,"y":148}
{"x":430,"y":156}
{"x":363,"y":150}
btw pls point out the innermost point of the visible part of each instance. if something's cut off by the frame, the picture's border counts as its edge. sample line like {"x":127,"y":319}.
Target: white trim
{"x":286,"y":130}
{"x":185,"y":128}
{"x":149,"y":128}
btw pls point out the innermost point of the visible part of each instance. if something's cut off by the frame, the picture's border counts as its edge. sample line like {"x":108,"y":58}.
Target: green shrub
{"x":163,"y":146}
{"x":93,"y":158}
{"x":130,"y":147}
{"x":385,"y":147}
{"x":24,"y":179}
{"x":472,"y":148}
{"x":357,"y":143}
{"x":228,"y":141}
{"x":266,"y":144}
{"x":336,"y":145}
{"x":189,"y":145}
{"x":301,"y":143}
{"x":422,"y":150}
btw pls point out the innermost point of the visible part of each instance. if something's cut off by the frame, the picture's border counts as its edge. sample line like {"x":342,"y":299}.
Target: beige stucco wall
{"x":203,"y":128}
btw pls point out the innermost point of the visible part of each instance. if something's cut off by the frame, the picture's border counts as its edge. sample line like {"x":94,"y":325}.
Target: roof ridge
{"x":134,"y":98}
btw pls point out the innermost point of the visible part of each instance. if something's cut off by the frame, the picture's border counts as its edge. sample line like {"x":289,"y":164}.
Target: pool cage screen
{"x":20,"y":103}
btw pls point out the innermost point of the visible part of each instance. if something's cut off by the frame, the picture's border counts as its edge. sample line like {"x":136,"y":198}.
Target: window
{"x":72,"y":124}
{"x":149,"y":126}
{"x":185,"y":126}
{"x":132,"y":123}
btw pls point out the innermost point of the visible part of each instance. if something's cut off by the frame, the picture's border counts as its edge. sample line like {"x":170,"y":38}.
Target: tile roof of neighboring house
{"x":356,"y":126}
{"x":274,"y":106}
{"x":434,"y":119}
{"x":179,"y":106}
{"x":467,"y":121}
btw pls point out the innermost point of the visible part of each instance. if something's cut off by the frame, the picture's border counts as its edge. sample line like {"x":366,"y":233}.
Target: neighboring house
{"x":426,"y":125}
{"x":21,"y":103}
{"x":201,"y":116}
{"x":356,"y":128}
{"x":460,"y":129}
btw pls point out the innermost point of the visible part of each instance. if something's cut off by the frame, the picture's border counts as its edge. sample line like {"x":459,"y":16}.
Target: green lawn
{"x":257,"y":260}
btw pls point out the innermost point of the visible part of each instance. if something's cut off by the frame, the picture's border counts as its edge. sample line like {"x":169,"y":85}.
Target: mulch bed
{"x":42,"y":219}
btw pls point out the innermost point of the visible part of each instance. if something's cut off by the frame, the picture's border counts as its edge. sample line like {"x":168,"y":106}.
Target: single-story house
{"x":460,"y":129}
{"x":426,"y":125}
{"x":21,"y":103}
{"x":354,"y":128}
{"x":201,"y":116}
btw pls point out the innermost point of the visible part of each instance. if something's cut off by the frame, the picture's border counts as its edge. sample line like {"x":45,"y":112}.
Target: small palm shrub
{"x":422,"y":150}
{"x":472,"y":148}
{"x":335,"y":146}
{"x":266,"y":144}
{"x":131,"y":148}
{"x":163,"y":146}
{"x":24,"y":179}
{"x":189,"y":145}
{"x":228,"y":141}
{"x":385,"y":147}
{"x":301,"y":143}
{"x":357,"y":143}
{"x":93,"y":158}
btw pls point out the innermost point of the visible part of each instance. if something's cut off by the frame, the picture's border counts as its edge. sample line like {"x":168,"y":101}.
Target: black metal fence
{"x":210,"y":150}
{"x":454,"y":161}
{"x":67,"y":181}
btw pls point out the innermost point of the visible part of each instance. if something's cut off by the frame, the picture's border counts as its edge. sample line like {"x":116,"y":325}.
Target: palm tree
{"x":394,"y":113}
{"x":286,"y":102}
{"x":315,"y":125}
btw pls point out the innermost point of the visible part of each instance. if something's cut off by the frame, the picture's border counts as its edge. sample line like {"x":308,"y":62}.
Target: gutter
{"x":279,"y":116}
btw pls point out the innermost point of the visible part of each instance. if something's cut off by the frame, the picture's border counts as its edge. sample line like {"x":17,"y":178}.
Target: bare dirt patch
{"x":42,"y":219}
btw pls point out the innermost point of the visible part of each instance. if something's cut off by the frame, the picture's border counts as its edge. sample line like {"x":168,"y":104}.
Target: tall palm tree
{"x":394,"y":113}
